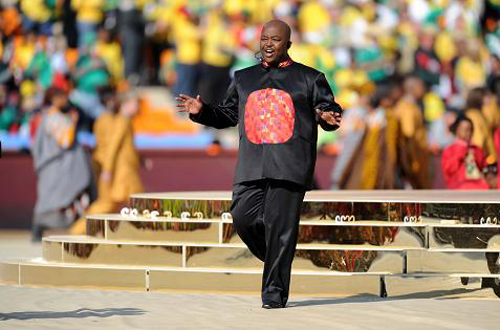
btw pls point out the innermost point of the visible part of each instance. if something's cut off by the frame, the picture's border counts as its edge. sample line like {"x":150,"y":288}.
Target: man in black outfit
{"x":278,"y":105}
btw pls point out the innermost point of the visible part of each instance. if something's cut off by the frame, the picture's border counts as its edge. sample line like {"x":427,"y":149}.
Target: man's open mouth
{"x":269,"y":52}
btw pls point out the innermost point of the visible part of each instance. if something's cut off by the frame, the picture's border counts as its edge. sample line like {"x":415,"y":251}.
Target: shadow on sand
{"x":366,"y":298}
{"x":79,"y":313}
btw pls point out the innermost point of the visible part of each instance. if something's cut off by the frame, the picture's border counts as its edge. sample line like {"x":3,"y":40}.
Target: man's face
{"x":274,"y":43}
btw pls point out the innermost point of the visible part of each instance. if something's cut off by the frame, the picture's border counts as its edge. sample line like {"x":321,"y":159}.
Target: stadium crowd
{"x":404,"y":70}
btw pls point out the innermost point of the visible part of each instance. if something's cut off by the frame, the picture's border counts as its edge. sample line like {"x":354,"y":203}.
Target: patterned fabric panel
{"x":269,"y":116}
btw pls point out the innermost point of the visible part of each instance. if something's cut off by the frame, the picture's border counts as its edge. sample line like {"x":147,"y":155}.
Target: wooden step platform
{"x":349,"y":242}
{"x":365,"y":196}
{"x":466,"y":207}
{"x":42,"y":273}
{"x":428,"y":233}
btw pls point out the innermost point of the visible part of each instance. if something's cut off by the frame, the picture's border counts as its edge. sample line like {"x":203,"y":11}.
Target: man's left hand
{"x":331,"y":117}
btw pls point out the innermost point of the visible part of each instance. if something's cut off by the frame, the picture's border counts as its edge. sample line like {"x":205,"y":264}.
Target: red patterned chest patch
{"x":269,"y":116}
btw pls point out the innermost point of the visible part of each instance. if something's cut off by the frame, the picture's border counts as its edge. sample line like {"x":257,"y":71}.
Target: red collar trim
{"x":286,"y":62}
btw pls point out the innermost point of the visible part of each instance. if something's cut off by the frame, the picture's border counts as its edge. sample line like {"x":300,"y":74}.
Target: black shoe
{"x":272,"y":306}
{"x":487,"y":282}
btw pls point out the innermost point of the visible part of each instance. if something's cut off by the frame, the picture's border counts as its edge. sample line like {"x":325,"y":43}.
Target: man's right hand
{"x":189,"y":104}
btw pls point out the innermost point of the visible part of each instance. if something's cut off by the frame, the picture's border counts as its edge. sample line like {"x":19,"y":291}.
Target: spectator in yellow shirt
{"x":313,"y":21}
{"x":110,"y":51}
{"x":89,"y":14}
{"x":24,"y":50}
{"x":187,"y":38}
{"x":37,"y":15}
{"x":470,"y":71}
{"x":217,"y":57}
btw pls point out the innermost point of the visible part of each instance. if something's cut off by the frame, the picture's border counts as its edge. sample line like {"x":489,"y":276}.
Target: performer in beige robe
{"x":369,"y":155}
{"x":414,"y":151}
{"x":115,"y":157}
{"x":482,"y":136}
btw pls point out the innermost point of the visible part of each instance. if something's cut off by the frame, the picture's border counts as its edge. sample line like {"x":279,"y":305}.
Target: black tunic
{"x":275,"y":110}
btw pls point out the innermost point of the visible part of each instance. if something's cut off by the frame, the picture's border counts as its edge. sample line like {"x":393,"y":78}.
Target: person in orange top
{"x":462,"y":162}
{"x":10,"y":20}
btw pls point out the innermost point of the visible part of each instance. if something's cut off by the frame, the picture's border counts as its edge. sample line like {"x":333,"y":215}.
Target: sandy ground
{"x":53,"y":308}
{"x":17,"y":244}
{"x":45,"y":308}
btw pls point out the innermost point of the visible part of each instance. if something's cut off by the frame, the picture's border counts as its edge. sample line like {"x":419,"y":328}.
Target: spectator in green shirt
{"x":90,"y":74}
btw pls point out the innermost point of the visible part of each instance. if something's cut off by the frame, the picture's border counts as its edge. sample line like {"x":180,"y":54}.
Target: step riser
{"x":217,"y":257}
{"x":164,"y":280}
{"x":464,"y":238}
{"x":165,"y":231}
{"x":241,"y":258}
{"x":418,"y":236}
{"x":466,"y":212}
{"x":408,"y":237}
{"x":300,"y":284}
{"x":132,"y":255}
{"x":159,"y":280}
{"x":223,"y":232}
{"x":9,"y":273}
{"x":450,"y":262}
{"x":45,"y":275}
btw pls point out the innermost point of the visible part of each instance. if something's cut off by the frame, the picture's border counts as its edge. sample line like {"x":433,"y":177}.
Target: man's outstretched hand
{"x":189,"y":104}
{"x":332,"y":118}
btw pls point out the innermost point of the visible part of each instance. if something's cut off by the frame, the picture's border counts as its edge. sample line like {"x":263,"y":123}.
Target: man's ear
{"x":288,"y":45}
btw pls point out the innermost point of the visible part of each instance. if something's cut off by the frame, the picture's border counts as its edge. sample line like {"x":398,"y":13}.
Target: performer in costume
{"x":370,"y":151}
{"x":115,"y":157}
{"x":463,"y":161}
{"x":277,"y":105}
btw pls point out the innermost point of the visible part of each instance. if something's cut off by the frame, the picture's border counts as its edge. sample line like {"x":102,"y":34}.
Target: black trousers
{"x":266,"y":216}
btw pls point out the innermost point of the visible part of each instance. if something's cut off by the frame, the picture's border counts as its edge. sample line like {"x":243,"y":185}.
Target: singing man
{"x":277,"y":105}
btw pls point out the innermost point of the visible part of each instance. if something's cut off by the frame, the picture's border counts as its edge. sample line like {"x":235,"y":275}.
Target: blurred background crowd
{"x":405,"y":72}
